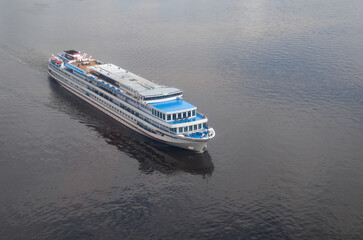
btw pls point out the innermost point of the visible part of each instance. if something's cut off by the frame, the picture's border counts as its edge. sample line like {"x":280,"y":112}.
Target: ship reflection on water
{"x":151,"y":155}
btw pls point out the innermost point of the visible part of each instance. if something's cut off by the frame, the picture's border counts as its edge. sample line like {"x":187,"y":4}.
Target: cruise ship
{"x":154,"y":110}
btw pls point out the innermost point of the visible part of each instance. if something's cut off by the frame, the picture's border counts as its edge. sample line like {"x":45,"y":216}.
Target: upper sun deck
{"x":134,"y":83}
{"x":85,"y":64}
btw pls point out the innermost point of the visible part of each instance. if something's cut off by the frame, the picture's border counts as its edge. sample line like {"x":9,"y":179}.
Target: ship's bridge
{"x":175,"y":111}
{"x":134,"y":84}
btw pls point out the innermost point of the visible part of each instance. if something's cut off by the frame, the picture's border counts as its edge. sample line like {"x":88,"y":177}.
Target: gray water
{"x":281,"y":82}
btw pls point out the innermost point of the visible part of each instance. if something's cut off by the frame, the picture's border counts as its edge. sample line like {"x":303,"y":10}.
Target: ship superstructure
{"x":151,"y":109}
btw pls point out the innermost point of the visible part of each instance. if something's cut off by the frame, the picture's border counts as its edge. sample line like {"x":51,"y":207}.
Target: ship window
{"x":184,"y":114}
{"x":169,"y":117}
{"x":190,"y":128}
{"x":189,"y":113}
{"x":193,"y":112}
{"x":181,"y":129}
{"x":157,"y":114}
{"x":174,"y":116}
{"x":195,"y":127}
{"x":185,"y":129}
{"x":199,"y":125}
{"x":179,"y":115}
{"x":163,"y":116}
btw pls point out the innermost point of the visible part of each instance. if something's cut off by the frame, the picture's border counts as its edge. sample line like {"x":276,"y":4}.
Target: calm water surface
{"x":281,"y":81}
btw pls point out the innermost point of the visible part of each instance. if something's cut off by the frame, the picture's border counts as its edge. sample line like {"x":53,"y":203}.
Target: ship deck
{"x":83,"y":66}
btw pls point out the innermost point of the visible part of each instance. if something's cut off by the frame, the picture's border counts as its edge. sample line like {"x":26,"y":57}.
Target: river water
{"x":281,"y":82}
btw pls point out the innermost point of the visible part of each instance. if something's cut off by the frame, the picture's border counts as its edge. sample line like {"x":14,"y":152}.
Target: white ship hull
{"x":197,"y":145}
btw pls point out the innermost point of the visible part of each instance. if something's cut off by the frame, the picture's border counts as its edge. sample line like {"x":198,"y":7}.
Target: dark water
{"x":281,"y":81}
